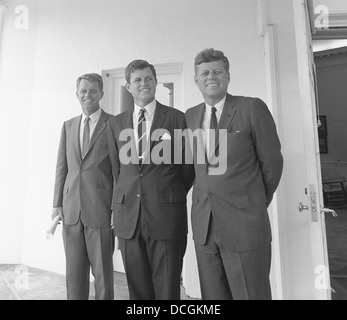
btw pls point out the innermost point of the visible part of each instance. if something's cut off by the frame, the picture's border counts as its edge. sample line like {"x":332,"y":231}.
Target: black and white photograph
{"x":187,"y":151}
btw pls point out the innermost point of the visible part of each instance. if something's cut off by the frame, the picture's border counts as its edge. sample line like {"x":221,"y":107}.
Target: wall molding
{"x":331,"y":52}
{"x":267,"y":32}
{"x":3,"y":9}
{"x":331,"y":60}
{"x":340,"y":164}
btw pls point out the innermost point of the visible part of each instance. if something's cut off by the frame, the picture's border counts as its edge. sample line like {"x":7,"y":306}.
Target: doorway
{"x":331,"y":70}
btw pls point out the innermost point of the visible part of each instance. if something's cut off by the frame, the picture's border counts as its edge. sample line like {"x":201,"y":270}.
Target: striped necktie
{"x":142,"y":134}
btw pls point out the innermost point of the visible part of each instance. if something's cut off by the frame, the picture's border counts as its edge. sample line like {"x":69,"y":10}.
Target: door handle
{"x":327,"y":210}
{"x":302,"y":207}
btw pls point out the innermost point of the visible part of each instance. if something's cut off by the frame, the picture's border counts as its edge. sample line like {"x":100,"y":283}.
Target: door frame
{"x":308,"y":97}
{"x":283,"y":276}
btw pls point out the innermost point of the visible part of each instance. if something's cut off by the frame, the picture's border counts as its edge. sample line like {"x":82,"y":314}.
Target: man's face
{"x":142,"y":86}
{"x":212,"y":79}
{"x":89,"y":96}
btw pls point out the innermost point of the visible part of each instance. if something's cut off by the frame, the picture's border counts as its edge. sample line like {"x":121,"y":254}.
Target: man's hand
{"x":57,"y":211}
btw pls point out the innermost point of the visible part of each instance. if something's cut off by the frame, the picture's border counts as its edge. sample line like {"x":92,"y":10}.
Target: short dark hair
{"x":209,"y":55}
{"x":138,"y":65}
{"x":91,"y":77}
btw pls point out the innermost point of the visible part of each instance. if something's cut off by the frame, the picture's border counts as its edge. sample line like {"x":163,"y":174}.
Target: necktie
{"x":213,"y":129}
{"x":141,"y":129}
{"x":86,"y":136}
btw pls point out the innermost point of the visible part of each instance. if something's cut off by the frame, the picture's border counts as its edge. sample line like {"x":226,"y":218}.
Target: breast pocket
{"x":118,"y":198}
{"x":239,"y":142}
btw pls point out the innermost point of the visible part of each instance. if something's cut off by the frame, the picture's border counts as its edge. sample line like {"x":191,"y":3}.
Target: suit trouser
{"x":153,"y":267}
{"x":232,"y":275}
{"x":85,"y":248}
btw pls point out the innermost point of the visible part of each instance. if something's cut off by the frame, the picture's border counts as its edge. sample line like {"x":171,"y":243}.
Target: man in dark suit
{"x":149,"y":203}
{"x":234,"y":187}
{"x":83,"y":195}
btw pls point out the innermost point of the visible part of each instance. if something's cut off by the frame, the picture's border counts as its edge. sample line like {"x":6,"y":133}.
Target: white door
{"x":310,"y":251}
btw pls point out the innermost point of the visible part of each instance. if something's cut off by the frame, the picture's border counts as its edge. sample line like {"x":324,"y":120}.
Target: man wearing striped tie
{"x":149,"y":201}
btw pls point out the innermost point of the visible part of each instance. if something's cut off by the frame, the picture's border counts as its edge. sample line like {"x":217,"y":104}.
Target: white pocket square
{"x":165,"y":136}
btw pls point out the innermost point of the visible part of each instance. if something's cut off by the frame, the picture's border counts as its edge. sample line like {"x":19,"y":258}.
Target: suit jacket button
{"x":141,"y":174}
{"x":138,"y":195}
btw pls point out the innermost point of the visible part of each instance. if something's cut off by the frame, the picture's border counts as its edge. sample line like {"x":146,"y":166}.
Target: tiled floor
{"x":18,"y":282}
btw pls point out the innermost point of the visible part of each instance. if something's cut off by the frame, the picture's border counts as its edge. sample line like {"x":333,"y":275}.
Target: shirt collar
{"x":219,"y":106}
{"x":149,"y":108}
{"x":94,"y":117}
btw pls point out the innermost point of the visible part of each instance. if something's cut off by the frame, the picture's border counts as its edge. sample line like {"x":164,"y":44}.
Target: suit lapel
{"x":226,"y":118}
{"x":158,"y":120}
{"x":196,"y":130}
{"x":197,"y":124}
{"x":99,"y":128}
{"x":127,"y":124}
{"x":227,"y":115}
{"x":128,"y":119}
{"x":76,"y":135}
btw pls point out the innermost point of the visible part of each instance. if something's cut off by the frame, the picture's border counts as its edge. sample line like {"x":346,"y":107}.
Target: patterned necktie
{"x":213,"y":129}
{"x":141,"y":129}
{"x":86,"y":136}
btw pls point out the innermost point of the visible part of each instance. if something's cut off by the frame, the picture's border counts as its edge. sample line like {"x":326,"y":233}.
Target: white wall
{"x":75,"y":37}
{"x":17,"y":53}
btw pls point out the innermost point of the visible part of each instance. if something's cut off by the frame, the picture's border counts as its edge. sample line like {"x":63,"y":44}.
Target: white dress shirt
{"x":92,"y":124}
{"x":149,"y":115}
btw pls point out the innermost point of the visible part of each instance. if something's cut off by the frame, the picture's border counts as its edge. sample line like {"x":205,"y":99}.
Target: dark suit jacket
{"x":84,"y":187}
{"x":252,"y":166}
{"x":161,"y":189}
